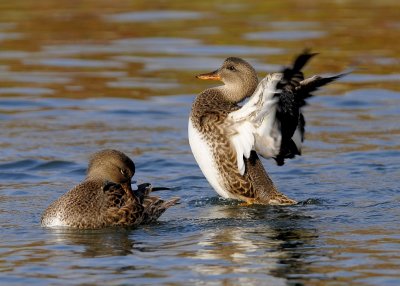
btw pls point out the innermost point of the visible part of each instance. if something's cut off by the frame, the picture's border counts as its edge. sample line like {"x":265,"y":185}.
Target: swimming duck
{"x":105,"y":198}
{"x":226,"y":139}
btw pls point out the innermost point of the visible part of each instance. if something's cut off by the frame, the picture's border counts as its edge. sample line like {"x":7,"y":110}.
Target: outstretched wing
{"x":254,"y":126}
{"x":294,"y":90}
{"x":271,"y":122}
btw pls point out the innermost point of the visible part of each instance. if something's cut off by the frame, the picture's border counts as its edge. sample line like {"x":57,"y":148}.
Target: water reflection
{"x":95,"y":243}
{"x":278,"y":247}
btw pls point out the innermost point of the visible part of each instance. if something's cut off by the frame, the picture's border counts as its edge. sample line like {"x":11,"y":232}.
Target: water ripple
{"x":284,"y":35}
{"x":154,"y":16}
{"x":80,"y":78}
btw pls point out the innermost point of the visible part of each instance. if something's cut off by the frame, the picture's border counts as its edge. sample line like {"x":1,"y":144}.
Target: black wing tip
{"x":289,"y":151}
{"x":308,"y":86}
{"x":307,"y":51}
{"x":292,"y":75}
{"x":330,"y":79}
{"x":339,"y":76}
{"x":280,"y":161}
{"x":302,"y":59}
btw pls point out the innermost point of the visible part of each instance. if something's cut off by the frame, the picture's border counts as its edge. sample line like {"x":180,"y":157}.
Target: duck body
{"x":105,"y":198}
{"x":205,"y":138}
{"x":103,"y":204}
{"x":226,"y":137}
{"x":217,"y":158}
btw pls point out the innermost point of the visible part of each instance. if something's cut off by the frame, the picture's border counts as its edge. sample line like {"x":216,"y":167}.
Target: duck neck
{"x":237,"y":92}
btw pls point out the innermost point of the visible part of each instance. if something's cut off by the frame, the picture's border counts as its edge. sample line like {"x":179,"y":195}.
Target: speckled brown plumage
{"x":225,"y":137}
{"x":208,"y":115}
{"x":105,"y":197}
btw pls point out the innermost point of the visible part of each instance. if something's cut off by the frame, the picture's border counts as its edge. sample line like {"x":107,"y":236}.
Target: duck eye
{"x":231,"y":68}
{"x":123,"y":172}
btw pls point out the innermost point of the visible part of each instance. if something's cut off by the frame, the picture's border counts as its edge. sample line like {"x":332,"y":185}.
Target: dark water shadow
{"x":282,"y":237}
{"x":95,"y":243}
{"x":295,"y":235}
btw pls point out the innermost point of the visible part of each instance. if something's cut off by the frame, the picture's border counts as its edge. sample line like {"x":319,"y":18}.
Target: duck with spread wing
{"x":226,"y":139}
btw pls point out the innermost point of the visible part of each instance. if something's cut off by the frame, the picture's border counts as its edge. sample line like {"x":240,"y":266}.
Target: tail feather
{"x":154,"y":207}
{"x":171,"y":202}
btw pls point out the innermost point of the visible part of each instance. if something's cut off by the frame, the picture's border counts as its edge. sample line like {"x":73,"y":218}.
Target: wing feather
{"x":253,"y":124}
{"x":271,"y":122}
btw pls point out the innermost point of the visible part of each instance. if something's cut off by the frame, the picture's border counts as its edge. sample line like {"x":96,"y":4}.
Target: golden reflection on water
{"x":66,"y":49}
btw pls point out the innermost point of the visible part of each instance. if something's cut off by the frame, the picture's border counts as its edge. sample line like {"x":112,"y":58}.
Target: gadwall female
{"x":225,"y":137}
{"x":105,"y":198}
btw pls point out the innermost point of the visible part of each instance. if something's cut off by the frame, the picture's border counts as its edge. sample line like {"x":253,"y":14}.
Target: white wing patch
{"x":254,"y":126}
{"x":243,"y":141}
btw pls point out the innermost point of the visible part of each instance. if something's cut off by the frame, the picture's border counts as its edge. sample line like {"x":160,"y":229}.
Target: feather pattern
{"x":271,"y":121}
{"x":226,"y":138}
{"x":105,"y":198}
{"x":254,"y":125}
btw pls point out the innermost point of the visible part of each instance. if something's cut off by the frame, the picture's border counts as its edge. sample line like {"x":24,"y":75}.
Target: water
{"x":78,"y":78}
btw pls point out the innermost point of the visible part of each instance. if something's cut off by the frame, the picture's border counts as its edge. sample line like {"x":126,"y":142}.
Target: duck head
{"x":239,"y":78}
{"x":112,"y":166}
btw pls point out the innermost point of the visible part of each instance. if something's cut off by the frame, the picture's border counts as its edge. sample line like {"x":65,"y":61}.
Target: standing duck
{"x":105,"y":198}
{"x":227,"y":138}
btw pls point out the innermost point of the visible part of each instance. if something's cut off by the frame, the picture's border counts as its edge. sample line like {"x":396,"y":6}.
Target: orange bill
{"x":212,"y":76}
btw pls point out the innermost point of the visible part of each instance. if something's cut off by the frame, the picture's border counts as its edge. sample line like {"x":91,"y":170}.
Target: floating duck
{"x":105,"y":198}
